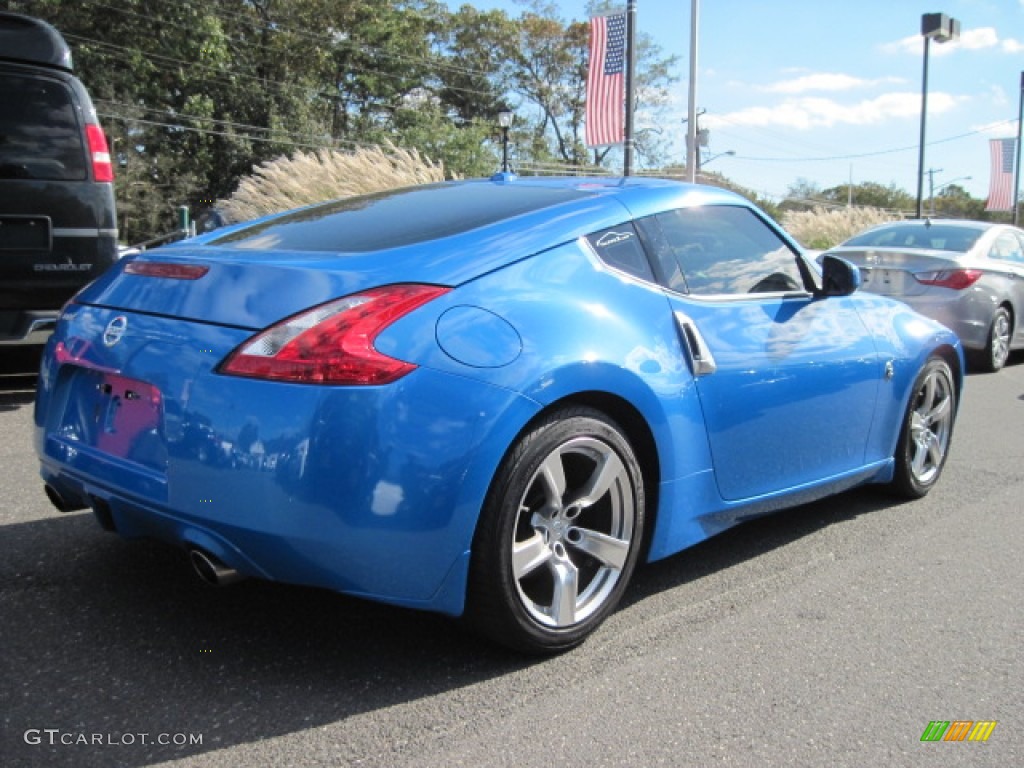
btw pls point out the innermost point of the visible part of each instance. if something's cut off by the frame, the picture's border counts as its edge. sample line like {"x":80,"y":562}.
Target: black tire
{"x":997,"y":347}
{"x":927,"y":430}
{"x":559,"y":535}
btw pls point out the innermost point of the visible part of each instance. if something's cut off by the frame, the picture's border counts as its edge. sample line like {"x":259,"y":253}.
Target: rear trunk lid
{"x":250,"y":281}
{"x":890,"y":271}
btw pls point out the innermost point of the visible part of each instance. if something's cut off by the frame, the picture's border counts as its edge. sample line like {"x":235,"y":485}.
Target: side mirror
{"x":838,"y":276}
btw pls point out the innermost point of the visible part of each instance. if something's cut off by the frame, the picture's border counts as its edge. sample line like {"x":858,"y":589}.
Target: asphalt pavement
{"x":828,"y":635}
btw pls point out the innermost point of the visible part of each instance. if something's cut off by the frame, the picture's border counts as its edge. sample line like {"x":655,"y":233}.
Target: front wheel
{"x":559,"y":535}
{"x":926,"y":431}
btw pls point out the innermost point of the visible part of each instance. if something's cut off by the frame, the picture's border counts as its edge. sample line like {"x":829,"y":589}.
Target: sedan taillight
{"x":957,"y":279}
{"x":332,"y":343}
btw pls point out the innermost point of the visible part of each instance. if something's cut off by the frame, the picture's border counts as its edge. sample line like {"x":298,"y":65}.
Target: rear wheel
{"x":559,"y":535}
{"x":997,"y":350}
{"x":927,"y":430}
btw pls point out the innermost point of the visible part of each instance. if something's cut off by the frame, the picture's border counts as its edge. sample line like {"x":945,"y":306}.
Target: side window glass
{"x":728,"y":250}
{"x":1007,"y":247}
{"x":619,"y":247}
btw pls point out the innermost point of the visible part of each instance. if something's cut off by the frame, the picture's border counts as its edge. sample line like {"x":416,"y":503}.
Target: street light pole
{"x":942,"y":28}
{"x":505,"y":121}
{"x":727,"y":153}
{"x":692,"y":158}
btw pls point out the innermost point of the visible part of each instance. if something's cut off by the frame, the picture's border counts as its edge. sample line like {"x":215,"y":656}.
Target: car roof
{"x":407,"y":216}
{"x":29,"y":40}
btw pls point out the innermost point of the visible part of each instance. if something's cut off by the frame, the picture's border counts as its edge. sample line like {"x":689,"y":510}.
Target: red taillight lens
{"x":102,"y":168}
{"x":957,"y":279}
{"x":332,"y":343}
{"x":166,"y":270}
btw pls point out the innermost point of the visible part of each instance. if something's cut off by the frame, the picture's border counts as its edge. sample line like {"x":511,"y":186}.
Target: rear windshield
{"x":937,"y":236}
{"x":39,"y":133}
{"x":396,"y":217}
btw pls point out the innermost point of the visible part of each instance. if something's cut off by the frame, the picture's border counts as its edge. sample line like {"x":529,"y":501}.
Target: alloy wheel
{"x":573,"y":533}
{"x":931,"y":424}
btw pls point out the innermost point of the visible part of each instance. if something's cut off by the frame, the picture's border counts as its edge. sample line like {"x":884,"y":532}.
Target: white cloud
{"x":997,"y":96}
{"x":807,"y":113}
{"x":824,"y":81}
{"x":976,"y":39}
{"x":999,"y":130}
{"x":912,"y":44}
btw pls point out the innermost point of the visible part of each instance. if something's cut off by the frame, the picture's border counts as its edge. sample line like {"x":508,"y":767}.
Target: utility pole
{"x":931,"y":189}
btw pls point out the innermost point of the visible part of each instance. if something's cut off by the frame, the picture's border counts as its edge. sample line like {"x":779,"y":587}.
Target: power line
{"x":175,"y":115}
{"x":328,"y":41}
{"x":332,"y":144}
{"x":876,"y":153}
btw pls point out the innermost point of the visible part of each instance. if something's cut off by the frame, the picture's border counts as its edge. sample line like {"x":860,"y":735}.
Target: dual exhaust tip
{"x":209,"y":568}
{"x":213,"y":571}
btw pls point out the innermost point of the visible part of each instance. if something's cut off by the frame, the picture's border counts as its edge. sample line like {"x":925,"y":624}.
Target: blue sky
{"x":829,"y":90}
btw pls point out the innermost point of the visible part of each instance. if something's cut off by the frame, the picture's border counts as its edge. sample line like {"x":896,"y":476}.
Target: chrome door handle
{"x":703,"y":360}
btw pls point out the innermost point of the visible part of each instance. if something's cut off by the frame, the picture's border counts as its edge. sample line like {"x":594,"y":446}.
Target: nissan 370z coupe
{"x":485,"y":398}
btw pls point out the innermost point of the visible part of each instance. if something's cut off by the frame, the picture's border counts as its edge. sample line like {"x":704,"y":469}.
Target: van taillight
{"x":102,"y":168}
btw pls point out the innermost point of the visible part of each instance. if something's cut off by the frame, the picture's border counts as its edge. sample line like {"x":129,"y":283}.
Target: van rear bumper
{"x":26,"y":327}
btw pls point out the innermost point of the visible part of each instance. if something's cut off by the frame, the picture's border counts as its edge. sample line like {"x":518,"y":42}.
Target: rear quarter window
{"x":39,"y":133}
{"x":619,"y":247}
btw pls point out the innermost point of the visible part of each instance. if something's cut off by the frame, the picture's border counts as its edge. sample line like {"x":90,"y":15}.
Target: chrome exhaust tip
{"x":213,"y":571}
{"x":58,"y":501}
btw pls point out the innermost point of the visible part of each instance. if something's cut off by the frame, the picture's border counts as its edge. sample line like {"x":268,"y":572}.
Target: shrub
{"x":821,"y":228}
{"x":315,"y":177}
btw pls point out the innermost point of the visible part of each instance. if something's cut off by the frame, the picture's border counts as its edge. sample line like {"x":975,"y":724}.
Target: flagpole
{"x":627,"y":154}
{"x":1016,"y":174}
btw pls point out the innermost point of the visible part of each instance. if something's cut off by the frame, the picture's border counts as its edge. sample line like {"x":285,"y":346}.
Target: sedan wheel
{"x":998,"y":349}
{"x":560,"y":535}
{"x":927,"y":430}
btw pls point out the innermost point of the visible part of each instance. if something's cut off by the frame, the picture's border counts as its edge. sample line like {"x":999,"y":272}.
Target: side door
{"x":787,"y":381}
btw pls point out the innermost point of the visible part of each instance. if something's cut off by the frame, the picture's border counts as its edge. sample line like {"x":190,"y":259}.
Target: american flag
{"x":606,"y":88}
{"x":1000,"y":186}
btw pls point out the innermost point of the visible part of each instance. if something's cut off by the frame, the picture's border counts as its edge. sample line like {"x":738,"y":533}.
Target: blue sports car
{"x":487,"y":398}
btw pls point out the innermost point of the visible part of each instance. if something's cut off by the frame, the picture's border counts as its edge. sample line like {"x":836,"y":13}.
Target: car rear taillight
{"x":957,"y":279}
{"x":102,"y":168}
{"x":165,"y":270}
{"x":332,"y":343}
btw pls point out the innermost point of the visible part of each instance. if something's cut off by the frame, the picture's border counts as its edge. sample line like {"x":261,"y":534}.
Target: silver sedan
{"x":968,"y":275}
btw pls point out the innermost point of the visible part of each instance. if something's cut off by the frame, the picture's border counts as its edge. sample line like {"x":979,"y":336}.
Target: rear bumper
{"x":370,"y":491}
{"x":26,"y":327}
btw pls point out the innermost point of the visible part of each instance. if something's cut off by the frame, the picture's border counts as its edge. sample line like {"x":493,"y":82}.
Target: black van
{"x":58,"y":226}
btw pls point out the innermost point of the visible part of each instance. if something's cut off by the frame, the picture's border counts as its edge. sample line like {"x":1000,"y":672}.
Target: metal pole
{"x":1016,"y":173}
{"x":691,"y":124}
{"x":504,"y":149}
{"x":924,"y":111}
{"x":627,"y":155}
